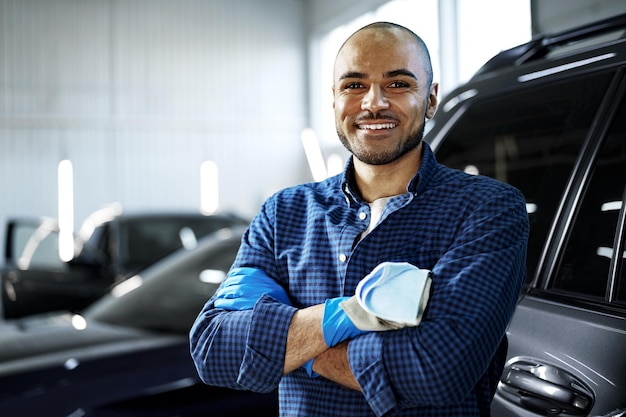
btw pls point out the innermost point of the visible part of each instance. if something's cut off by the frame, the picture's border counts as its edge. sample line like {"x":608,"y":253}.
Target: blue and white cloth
{"x":392,"y":296}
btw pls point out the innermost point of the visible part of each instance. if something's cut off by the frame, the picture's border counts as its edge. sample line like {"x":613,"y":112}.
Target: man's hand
{"x":244,"y":286}
{"x":336,"y":325}
{"x":392,"y":296}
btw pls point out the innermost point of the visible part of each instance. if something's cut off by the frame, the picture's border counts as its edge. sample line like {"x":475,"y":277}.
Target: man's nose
{"x":375,"y":99}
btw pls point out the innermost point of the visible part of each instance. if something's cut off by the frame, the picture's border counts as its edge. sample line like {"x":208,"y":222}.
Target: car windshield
{"x":168,"y":295}
{"x":152,"y":237}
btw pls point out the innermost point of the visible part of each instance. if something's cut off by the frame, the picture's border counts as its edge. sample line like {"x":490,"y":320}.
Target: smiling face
{"x":382,"y":94}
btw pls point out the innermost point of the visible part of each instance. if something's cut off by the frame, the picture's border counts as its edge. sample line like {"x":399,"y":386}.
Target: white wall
{"x":558,"y":15}
{"x":137,"y":94}
{"x":325,"y":15}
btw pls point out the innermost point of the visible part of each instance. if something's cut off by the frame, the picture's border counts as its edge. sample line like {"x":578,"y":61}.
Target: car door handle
{"x":544,"y":388}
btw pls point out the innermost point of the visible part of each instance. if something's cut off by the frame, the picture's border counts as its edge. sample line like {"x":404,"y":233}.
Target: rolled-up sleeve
{"x":242,"y":349}
{"x":245,"y":349}
{"x":263,"y":360}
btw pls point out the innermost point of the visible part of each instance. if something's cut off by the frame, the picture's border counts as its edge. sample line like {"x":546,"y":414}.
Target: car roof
{"x":550,"y":44}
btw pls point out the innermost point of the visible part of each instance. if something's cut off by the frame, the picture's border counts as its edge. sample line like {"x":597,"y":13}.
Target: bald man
{"x":285,"y":315}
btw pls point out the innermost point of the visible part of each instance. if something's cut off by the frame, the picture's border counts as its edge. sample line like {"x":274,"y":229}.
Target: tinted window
{"x":35,"y":245}
{"x":585,"y":265}
{"x":95,"y":248}
{"x":171,"y":297}
{"x":144,"y":240}
{"x":530,"y":139}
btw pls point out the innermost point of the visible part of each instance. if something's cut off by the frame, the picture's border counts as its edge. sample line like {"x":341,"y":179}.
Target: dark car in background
{"x":549,"y":117}
{"x":110,"y":246}
{"x":127,"y":354}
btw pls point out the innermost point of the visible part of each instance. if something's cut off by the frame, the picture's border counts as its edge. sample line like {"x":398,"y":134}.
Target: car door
{"x":35,"y":279}
{"x":568,"y":335}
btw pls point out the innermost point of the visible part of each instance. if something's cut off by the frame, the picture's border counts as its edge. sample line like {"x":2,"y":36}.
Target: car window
{"x":95,"y":248}
{"x":585,"y":265}
{"x":179,"y":299}
{"x":170,"y":296}
{"x":530,"y":139}
{"x":146,"y":240}
{"x":36,"y":245}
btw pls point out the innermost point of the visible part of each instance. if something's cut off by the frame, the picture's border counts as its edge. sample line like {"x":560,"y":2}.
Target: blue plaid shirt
{"x":471,"y":231}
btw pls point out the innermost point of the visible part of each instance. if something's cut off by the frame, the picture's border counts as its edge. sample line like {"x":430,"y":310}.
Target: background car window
{"x":36,"y":246}
{"x":149,"y":239}
{"x":171,"y":298}
{"x":585,"y":266}
{"x":47,"y":253}
{"x":95,"y":248}
{"x":529,"y":143}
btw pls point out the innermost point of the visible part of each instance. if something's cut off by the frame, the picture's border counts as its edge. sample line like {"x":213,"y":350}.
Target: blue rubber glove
{"x":244,"y":286}
{"x":336,"y":325}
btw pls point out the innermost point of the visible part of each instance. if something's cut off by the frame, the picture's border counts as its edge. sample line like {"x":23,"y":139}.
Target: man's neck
{"x":377,"y":181}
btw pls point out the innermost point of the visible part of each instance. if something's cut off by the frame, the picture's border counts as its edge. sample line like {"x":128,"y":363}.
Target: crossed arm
{"x":317,"y":335}
{"x":313,"y":332}
{"x":305,"y":341}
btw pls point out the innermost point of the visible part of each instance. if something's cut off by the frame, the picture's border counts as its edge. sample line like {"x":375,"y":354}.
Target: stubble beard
{"x":386,"y":157}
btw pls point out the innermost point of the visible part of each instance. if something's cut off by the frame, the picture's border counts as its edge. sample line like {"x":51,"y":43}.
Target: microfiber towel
{"x":395,"y":292}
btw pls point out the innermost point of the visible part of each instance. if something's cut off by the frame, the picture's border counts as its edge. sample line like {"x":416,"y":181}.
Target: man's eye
{"x":399,"y":84}
{"x":353,"y":85}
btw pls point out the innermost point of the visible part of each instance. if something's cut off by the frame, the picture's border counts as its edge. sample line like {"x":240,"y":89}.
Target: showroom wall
{"x":138,"y":94}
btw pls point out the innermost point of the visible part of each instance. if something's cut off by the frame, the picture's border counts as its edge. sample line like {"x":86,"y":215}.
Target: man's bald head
{"x":388,"y":26}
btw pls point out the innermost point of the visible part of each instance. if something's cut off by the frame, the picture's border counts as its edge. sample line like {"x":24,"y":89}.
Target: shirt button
{"x":362,"y":215}
{"x":343,"y":257}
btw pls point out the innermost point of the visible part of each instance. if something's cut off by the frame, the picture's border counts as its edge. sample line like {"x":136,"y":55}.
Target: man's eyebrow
{"x":390,"y":74}
{"x":402,"y":71}
{"x":352,"y":74}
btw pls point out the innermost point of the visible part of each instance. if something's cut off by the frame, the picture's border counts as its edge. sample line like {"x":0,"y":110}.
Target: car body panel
{"x":551,"y":333}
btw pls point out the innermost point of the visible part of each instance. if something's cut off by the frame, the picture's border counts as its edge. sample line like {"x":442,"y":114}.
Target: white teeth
{"x":378,"y":126}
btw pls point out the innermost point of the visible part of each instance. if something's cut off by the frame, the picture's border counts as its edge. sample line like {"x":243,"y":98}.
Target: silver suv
{"x":549,"y":117}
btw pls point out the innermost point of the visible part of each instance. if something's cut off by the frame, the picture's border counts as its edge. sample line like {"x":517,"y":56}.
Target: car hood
{"x":64,"y":338}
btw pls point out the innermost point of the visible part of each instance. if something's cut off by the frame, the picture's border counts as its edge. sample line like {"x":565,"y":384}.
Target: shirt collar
{"x":416,"y":185}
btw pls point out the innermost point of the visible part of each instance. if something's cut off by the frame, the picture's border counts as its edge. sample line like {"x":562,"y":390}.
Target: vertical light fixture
{"x":209,"y":187}
{"x":65,"y":197}
{"x":335,"y":164}
{"x":313,"y":154}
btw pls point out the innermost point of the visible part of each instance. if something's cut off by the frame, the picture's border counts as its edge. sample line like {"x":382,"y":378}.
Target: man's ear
{"x":432,"y":100}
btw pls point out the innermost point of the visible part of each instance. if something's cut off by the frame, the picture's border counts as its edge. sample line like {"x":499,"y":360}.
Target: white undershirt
{"x":376,"y":211}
